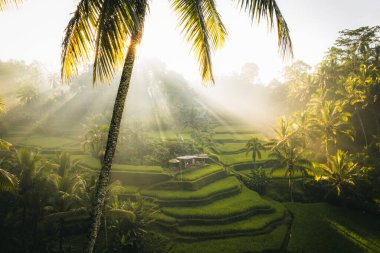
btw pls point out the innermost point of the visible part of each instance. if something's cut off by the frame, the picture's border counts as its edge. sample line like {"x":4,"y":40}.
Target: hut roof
{"x":186,"y":157}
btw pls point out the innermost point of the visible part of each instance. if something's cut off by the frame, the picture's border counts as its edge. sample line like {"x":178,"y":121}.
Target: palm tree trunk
{"x":291,"y":186}
{"x":61,"y":221}
{"x":363,"y":130}
{"x":327,"y":148}
{"x":113,"y":134}
{"x":106,"y":230}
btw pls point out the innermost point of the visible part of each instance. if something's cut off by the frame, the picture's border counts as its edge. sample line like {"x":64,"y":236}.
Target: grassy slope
{"x":325,"y":228}
{"x":47,"y":142}
{"x":94,"y":163}
{"x":268,"y":242}
{"x":240,"y":203}
{"x":253,"y":223}
{"x":225,"y":184}
{"x":194,"y":174}
{"x":230,"y":147}
{"x":240,"y":157}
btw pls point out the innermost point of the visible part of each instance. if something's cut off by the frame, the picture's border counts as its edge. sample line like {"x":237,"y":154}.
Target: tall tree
{"x":287,"y":152}
{"x":291,"y":159}
{"x":339,"y":172}
{"x":106,"y":28}
{"x":330,"y":120}
{"x":35,"y":187}
{"x":70,"y":186}
{"x":255,"y":146}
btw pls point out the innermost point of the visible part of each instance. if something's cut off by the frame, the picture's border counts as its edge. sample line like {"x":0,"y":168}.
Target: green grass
{"x":168,"y":135}
{"x":46,"y":142}
{"x":222,"y":185}
{"x":321,"y":227}
{"x":238,"y":204}
{"x":163,"y":218}
{"x":130,"y":189}
{"x":194,"y":174}
{"x":140,"y":179}
{"x":233,"y":136}
{"x":94,"y":163}
{"x":240,"y":158}
{"x":253,"y":223}
{"x":230,"y":147}
{"x":235,"y":158}
{"x":136,"y":168}
{"x":88,"y":161}
{"x":234,"y":129}
{"x":270,"y":242}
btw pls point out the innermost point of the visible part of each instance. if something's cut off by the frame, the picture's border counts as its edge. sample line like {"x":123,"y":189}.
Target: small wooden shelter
{"x":190,"y":160}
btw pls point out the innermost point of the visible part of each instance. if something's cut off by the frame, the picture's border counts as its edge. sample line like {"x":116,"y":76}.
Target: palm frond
{"x":4,"y":145}
{"x":116,"y":23}
{"x":203,"y":28}
{"x":269,"y":10}
{"x":8,"y":181}
{"x":123,"y":214}
{"x":78,"y":43}
{"x":4,"y":4}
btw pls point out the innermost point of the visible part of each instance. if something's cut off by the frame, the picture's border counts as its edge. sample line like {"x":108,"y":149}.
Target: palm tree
{"x":339,"y":171}
{"x":27,"y":94}
{"x":255,"y":146}
{"x":304,"y":129}
{"x":69,"y":187}
{"x":290,"y":159}
{"x":35,"y":187}
{"x":107,"y":28}
{"x":286,"y":134}
{"x":331,"y":121}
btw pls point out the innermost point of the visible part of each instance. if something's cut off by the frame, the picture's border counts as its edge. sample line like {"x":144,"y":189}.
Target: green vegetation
{"x":194,"y":174}
{"x":246,"y":201}
{"x":321,"y":161}
{"x":230,"y":147}
{"x":41,"y":141}
{"x":270,"y":242}
{"x":224,"y":185}
{"x":240,"y":157}
{"x":255,"y":223}
{"x":322,"y":227}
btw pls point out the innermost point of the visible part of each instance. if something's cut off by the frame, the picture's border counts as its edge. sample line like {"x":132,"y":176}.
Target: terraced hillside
{"x":207,"y":204}
{"x":200,"y":210}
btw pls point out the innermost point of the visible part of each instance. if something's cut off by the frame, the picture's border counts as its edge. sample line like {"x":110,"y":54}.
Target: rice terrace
{"x":190,"y":126}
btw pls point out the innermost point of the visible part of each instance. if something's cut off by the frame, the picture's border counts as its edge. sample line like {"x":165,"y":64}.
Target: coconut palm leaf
{"x":8,"y":181}
{"x":78,"y":42}
{"x":116,"y":23}
{"x":4,"y":145}
{"x":53,"y":217}
{"x":202,"y":27}
{"x":121,"y":214}
{"x":338,"y":172}
{"x":269,"y":10}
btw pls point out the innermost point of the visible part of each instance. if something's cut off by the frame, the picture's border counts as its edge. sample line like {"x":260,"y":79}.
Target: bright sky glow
{"x":34,"y":32}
